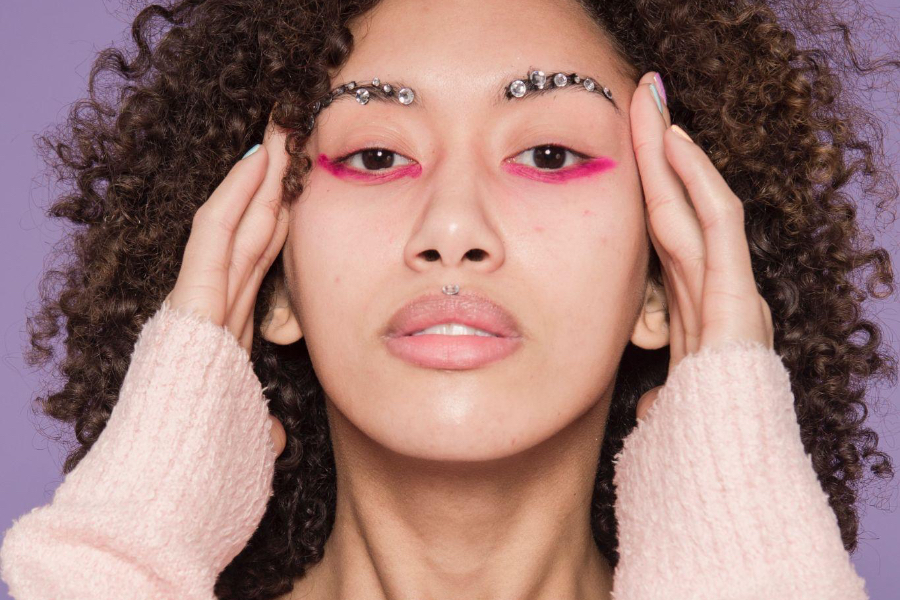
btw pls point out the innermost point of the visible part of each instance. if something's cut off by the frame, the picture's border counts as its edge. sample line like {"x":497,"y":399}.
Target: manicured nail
{"x":656,"y":97}
{"x":682,"y":133}
{"x":661,"y":87}
{"x":250,"y":151}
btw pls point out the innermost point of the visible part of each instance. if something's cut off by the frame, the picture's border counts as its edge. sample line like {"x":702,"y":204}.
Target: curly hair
{"x":773,"y":117}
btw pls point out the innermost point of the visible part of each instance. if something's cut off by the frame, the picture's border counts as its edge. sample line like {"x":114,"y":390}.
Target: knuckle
{"x":642,"y":146}
{"x":687,"y":260}
{"x":207,"y":216}
{"x":241,"y":255}
{"x":728,"y":295}
{"x":660,"y":201}
{"x":723,"y":213}
{"x":732,"y":208}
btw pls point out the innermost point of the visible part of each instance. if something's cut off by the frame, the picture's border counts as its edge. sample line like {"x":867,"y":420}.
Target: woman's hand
{"x":235,"y":237}
{"x":696,"y":225}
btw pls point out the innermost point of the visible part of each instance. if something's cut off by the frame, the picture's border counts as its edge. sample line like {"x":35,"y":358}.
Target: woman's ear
{"x":280,"y":325}
{"x":651,"y":331}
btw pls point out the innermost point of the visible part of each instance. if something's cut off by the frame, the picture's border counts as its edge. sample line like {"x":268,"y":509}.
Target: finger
{"x":676,"y":325}
{"x":671,"y":219}
{"x":241,"y":312}
{"x":246,"y":331}
{"x":668,"y":205}
{"x":684,"y":307}
{"x":258,"y":222}
{"x":729,"y":288}
{"x":206,"y":255}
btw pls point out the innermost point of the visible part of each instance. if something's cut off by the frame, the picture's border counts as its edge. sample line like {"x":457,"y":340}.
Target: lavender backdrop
{"x":47,"y":48}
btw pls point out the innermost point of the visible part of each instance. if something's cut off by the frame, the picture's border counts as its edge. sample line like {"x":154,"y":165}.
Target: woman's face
{"x":567,"y":258}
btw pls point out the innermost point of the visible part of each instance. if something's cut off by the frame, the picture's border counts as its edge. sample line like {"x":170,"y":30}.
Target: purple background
{"x":47,"y":48}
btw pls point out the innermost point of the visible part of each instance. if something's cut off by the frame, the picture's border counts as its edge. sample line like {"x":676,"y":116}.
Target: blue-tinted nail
{"x":659,"y":86}
{"x":656,"y":97}
{"x":251,"y":151}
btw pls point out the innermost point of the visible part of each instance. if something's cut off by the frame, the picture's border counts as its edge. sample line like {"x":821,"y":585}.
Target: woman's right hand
{"x":235,"y":237}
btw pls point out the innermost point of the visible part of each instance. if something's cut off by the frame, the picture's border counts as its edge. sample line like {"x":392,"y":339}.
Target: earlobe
{"x":280,"y":325}
{"x":651,"y":330}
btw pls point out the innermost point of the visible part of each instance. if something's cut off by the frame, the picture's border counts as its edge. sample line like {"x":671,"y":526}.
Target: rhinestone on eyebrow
{"x":538,"y":80}
{"x":362,"y":92}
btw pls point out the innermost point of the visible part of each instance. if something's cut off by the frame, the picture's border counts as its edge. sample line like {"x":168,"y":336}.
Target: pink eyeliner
{"x":585,"y":169}
{"x":339,"y":169}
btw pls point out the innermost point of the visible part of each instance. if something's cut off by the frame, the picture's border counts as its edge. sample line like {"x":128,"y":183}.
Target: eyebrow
{"x":497,"y":99}
{"x":533,"y":93}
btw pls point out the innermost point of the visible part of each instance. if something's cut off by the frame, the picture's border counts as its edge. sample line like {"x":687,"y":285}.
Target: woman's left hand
{"x":696,"y":225}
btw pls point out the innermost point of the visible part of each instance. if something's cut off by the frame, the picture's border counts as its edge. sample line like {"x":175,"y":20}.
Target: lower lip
{"x":452,"y":351}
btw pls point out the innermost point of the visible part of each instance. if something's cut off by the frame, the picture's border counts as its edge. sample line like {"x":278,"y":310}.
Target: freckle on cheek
{"x":539,"y":228}
{"x":588,"y":212}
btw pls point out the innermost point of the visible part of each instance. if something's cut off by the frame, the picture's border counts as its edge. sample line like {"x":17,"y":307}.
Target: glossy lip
{"x":437,"y":351}
{"x":467,"y":308}
{"x":452,"y":351}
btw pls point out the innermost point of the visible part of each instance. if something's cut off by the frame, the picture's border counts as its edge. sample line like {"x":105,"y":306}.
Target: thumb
{"x":646,"y":402}
{"x":279,"y":438}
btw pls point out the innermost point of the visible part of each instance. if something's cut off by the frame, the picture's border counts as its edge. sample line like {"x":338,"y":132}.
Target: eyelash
{"x":347,"y":157}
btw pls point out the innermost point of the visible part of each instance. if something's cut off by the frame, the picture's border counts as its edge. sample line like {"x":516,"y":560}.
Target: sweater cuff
{"x":715,"y":491}
{"x":181,"y":475}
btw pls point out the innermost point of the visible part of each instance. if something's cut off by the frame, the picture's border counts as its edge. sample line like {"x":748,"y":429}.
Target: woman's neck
{"x":512,"y":528}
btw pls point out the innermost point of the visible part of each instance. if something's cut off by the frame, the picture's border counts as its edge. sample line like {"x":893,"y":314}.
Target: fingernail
{"x":656,"y":97}
{"x":682,"y":133}
{"x":250,"y":151}
{"x":662,"y":88}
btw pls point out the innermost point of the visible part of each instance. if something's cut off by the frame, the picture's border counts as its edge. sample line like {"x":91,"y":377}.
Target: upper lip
{"x":466,"y":308}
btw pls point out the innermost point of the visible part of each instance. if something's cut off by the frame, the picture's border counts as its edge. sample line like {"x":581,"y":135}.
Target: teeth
{"x":454,"y":329}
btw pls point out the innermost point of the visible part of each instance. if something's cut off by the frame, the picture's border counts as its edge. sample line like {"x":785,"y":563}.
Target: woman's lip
{"x":437,"y":351}
{"x":468,"y":308}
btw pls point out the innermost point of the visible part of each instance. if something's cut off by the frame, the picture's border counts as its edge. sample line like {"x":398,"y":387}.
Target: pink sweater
{"x":716,"y":497}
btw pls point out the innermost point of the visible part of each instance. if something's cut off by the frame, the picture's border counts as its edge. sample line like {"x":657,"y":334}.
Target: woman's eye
{"x":550,"y":157}
{"x":373,"y":159}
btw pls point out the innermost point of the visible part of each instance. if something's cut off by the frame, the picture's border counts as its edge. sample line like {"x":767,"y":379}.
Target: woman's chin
{"x":450,"y":429}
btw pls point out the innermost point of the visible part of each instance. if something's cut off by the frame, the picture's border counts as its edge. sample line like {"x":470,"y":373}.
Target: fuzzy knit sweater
{"x":716,"y":498}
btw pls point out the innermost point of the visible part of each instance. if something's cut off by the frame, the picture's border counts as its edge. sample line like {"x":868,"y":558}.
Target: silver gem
{"x":576,"y":78}
{"x":350,"y":85}
{"x":450,"y":289}
{"x":311,"y":122}
{"x":317,"y":106}
{"x":376,"y":82}
{"x":607,"y":93}
{"x":589,"y":84}
{"x":538,"y":79}
{"x":387,"y":88}
{"x":362,"y":96}
{"x":560,"y":79}
{"x":405,"y":95}
{"x":517,"y":88}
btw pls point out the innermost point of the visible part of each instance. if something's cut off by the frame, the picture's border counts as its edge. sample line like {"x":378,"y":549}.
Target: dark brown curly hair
{"x":144,"y":151}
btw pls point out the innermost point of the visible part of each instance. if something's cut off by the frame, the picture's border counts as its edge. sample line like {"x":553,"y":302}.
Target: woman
{"x":518,"y":184}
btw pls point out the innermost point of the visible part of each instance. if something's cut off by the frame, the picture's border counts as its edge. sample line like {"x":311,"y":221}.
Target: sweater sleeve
{"x":174,"y":486}
{"x":716,"y":497}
